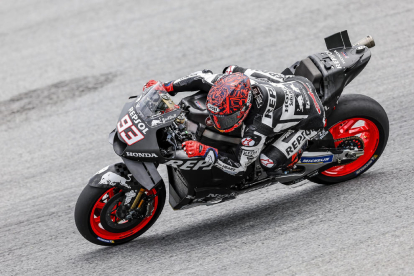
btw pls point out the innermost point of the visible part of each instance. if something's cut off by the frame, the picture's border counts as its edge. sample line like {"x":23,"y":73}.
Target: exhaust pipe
{"x":367,"y":41}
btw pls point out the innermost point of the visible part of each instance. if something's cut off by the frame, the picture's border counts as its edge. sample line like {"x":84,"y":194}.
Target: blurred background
{"x":66,"y":69}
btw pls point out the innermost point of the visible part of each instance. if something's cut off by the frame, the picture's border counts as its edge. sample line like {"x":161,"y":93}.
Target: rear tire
{"x":88,"y":214}
{"x":354,"y":110}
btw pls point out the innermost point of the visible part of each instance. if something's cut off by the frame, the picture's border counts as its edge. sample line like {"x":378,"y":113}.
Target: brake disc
{"x":111,"y":222}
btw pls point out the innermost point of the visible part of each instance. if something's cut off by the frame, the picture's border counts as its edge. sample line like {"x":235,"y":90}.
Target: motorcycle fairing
{"x":188,"y":189}
{"x":146,"y":172}
{"x":113,"y":175}
{"x":339,"y":66}
{"x":336,"y":78}
{"x":147,"y":149}
{"x":119,"y":175}
{"x":188,"y":186}
{"x":332,"y":70}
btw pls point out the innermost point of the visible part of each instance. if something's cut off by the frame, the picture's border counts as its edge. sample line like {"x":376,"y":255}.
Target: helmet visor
{"x":226,"y":121}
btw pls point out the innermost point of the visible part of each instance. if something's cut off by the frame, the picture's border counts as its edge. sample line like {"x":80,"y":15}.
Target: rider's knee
{"x":272,"y":158}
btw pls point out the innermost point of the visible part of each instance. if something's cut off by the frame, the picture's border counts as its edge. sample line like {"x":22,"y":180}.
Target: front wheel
{"x":96,"y":219}
{"x":361,"y":116}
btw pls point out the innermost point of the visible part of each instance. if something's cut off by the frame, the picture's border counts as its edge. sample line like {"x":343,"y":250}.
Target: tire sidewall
{"x":357,"y":106}
{"x":84,"y":207}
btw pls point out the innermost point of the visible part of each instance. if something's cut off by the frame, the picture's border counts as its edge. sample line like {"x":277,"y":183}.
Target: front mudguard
{"x":130,"y":175}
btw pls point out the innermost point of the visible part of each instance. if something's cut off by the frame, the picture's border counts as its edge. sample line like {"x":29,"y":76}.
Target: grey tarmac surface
{"x":67,"y":67}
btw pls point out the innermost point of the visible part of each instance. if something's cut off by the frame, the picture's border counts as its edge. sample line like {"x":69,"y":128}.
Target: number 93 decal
{"x":130,"y":137}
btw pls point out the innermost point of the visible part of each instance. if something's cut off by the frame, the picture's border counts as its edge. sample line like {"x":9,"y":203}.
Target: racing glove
{"x":196,"y":149}
{"x":167,"y":86}
{"x":149,"y":84}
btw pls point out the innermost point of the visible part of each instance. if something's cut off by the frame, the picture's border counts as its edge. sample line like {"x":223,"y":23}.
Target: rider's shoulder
{"x":201,"y":72}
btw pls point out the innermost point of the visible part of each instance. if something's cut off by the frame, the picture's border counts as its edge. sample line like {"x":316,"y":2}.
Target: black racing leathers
{"x":281,"y":104}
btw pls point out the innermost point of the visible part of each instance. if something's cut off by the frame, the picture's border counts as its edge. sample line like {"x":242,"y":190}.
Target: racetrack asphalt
{"x":67,"y":67}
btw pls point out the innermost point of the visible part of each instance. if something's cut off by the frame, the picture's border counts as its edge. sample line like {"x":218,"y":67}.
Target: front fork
{"x":127,"y":211}
{"x":141,"y":191}
{"x":125,"y":178}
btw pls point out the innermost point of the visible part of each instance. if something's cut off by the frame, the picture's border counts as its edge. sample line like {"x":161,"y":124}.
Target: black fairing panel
{"x":189,"y":184}
{"x":338,"y":67}
{"x":127,"y":176}
{"x":147,"y":149}
{"x":118,"y":145}
{"x":196,"y":104}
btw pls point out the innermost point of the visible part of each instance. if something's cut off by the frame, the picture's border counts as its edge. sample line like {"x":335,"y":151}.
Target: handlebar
{"x":367,"y":41}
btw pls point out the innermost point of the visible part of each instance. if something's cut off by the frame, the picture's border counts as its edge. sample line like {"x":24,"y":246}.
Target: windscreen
{"x":154,"y":101}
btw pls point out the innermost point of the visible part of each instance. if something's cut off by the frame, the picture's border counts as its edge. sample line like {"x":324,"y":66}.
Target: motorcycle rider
{"x":263,"y":104}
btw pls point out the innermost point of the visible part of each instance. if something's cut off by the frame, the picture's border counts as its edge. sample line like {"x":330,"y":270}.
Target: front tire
{"x":88,"y":211}
{"x":362,"y":116}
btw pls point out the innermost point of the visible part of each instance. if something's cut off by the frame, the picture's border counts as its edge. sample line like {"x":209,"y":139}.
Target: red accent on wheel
{"x":95,"y":218}
{"x":363,"y":128}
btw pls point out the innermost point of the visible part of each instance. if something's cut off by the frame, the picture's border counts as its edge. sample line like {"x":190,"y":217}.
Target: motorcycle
{"x":123,"y":200}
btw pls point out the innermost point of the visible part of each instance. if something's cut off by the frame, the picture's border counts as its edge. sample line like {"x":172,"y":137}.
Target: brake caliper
{"x":352,"y":147}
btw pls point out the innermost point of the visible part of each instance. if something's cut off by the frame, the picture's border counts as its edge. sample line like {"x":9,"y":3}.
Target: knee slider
{"x":272,"y":159}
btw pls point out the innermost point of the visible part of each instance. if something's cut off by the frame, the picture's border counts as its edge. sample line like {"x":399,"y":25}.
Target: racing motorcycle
{"x":123,"y":200}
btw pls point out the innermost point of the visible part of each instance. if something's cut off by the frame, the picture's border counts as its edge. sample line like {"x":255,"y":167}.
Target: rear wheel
{"x":363,"y":117}
{"x":96,"y":220}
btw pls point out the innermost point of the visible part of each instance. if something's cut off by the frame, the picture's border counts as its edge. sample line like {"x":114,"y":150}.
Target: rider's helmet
{"x":229,"y":101}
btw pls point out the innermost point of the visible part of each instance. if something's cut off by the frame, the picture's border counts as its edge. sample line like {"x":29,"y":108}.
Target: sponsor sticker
{"x":288,"y":99}
{"x":105,"y":240}
{"x":137,"y":121}
{"x":323,"y":133}
{"x":190,"y":165}
{"x":301,"y":103}
{"x":258,"y":96}
{"x":366,"y":165}
{"x":248,"y":142}
{"x":162,"y":120}
{"x":213,"y":108}
{"x":225,"y":167}
{"x":271,"y":104}
{"x":294,"y":144}
{"x":141,"y":154}
{"x":315,"y":160}
{"x":266,"y":161}
{"x":249,"y":152}
{"x":112,"y":179}
{"x":221,"y":195}
{"x":339,"y":56}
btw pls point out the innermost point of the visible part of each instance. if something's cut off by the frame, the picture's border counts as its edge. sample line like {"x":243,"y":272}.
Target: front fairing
{"x":135,"y":137}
